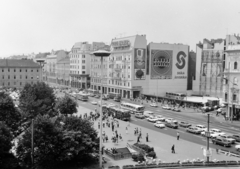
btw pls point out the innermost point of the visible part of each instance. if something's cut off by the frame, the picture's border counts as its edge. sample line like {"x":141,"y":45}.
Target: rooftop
{"x":16,"y":63}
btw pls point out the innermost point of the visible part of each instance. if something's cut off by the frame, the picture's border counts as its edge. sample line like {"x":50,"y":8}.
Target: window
{"x":31,"y":77}
{"x":26,"y":70}
{"x":83,"y":61}
{"x":20,"y":70}
{"x":8,"y":83}
{"x":234,"y":97}
{"x":20,"y":83}
{"x":83,"y":67}
{"x":128,"y":84}
{"x":3,"y":84}
{"x":14,"y":70}
{"x":2,"y":70}
{"x":8,"y":76}
{"x":37,"y":70}
{"x":20,"y":76}
{"x":8,"y":70}
{"x":235,"y":65}
{"x":14,"y":77}
{"x":31,"y":70}
{"x":83,"y":72}
{"x":26,"y":77}
{"x":83,"y":56}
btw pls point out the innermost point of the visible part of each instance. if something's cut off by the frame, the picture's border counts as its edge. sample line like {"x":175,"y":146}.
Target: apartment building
{"x":17,"y":73}
{"x":63,"y":71}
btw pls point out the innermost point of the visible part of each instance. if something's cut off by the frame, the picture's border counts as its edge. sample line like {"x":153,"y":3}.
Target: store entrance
{"x":136,"y":94}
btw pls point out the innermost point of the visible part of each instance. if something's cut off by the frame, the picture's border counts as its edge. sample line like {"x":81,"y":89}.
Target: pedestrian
{"x":103,"y":124}
{"x":217,"y":150}
{"x":118,"y":124}
{"x":173,"y":149}
{"x":126,"y":130}
{"x":135,"y":132}
{"x":106,"y":137}
{"x":147,"y":137}
{"x":120,"y":137}
{"x":140,"y":134}
{"x":138,"y":139}
{"x":178,"y":135}
{"x":98,"y":125}
{"x":112,"y":127}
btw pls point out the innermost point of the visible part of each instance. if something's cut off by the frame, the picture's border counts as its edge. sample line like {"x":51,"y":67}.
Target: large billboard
{"x":181,"y":64}
{"x":161,"y":64}
{"x":139,"y":64}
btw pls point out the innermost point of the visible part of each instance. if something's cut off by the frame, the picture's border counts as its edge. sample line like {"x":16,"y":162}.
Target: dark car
{"x":139,"y":115}
{"x":222,"y":142}
{"x":236,"y":137}
{"x":184,"y":124}
{"x":172,"y":125}
{"x":117,"y":99}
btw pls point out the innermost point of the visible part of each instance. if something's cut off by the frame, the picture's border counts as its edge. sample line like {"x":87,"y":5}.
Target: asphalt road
{"x":192,"y":118}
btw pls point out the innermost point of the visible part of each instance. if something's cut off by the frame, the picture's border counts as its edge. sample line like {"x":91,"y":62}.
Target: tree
{"x":8,"y":113}
{"x":66,"y":106}
{"x":7,"y":159}
{"x":37,"y":99}
{"x":58,"y":141}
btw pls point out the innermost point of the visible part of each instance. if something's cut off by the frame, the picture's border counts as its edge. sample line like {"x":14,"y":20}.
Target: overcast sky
{"x":28,"y":26}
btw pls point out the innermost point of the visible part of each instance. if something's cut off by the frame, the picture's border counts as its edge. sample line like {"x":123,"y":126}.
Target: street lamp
{"x":230,"y":97}
{"x":101,"y":53}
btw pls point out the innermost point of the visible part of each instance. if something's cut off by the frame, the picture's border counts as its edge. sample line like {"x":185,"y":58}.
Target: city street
{"x":192,"y":117}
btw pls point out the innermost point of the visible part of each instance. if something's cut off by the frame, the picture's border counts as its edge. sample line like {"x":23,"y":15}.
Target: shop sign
{"x":121,"y":43}
{"x":136,"y":87}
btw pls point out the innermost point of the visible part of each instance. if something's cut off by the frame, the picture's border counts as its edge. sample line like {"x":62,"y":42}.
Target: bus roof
{"x":119,"y":109}
{"x":131,"y":104}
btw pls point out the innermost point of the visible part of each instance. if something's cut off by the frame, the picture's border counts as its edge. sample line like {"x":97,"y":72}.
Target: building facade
{"x":63,"y":71}
{"x":232,"y":77}
{"x":80,"y":58}
{"x":17,"y":73}
{"x":51,"y":65}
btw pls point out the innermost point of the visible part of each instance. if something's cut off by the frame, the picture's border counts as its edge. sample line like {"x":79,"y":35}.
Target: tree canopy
{"x":8,"y":113}
{"x":66,"y":105}
{"x":37,"y":99}
{"x":58,"y":141}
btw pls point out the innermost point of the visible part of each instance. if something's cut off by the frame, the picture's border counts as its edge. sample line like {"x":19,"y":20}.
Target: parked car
{"x":172,"y":125}
{"x":205,"y":108}
{"x":153,"y":104}
{"x":193,"y":130}
{"x":236,"y":137}
{"x":94,"y":102}
{"x":97,"y":96}
{"x":117,"y":99}
{"x":104,"y":98}
{"x":147,"y":113}
{"x":91,"y":94}
{"x":222,"y":142}
{"x":201,"y":127}
{"x":216,"y":134}
{"x":169,"y":120}
{"x":153,"y":120}
{"x":237,"y":147}
{"x":159,"y":124}
{"x":159,"y":117}
{"x":139,"y":116}
{"x":228,"y":137}
{"x":162,"y":119}
{"x":150,"y":117}
{"x":184,"y":124}
{"x":166,"y":107}
{"x":176,"y":109}
{"x":203,"y":133}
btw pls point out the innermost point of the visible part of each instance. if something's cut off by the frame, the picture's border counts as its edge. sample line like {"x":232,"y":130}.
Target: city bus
{"x":178,"y":96}
{"x":82,"y":96}
{"x":133,"y":108}
{"x":118,"y":113}
{"x":112,"y":95}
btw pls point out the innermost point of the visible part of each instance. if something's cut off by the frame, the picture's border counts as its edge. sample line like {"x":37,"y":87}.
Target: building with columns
{"x":231,"y":82}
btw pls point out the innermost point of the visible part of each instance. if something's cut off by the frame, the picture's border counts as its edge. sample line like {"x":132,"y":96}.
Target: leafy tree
{"x":8,"y":113}
{"x":7,"y":159}
{"x":66,"y":106}
{"x":58,"y":141}
{"x":37,"y":99}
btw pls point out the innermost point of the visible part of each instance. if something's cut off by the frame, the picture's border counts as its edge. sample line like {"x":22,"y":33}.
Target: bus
{"x":93,"y":92}
{"x":82,"y":96}
{"x":118,"y":113}
{"x":112,"y":95}
{"x":133,"y":108}
{"x":178,"y":96}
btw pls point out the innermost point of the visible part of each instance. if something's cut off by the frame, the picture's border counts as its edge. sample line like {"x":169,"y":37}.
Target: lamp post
{"x":101,"y":54}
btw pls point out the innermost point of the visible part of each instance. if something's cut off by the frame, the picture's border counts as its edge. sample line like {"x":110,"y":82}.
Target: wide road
{"x":192,"y":118}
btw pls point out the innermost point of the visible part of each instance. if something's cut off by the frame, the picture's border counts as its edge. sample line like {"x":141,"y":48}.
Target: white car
{"x":237,"y":147}
{"x":94,"y":102}
{"x":159,"y":124}
{"x":150,"y":117}
{"x":166,"y":107}
{"x":203,"y":133}
{"x":215,"y":130}
{"x":147,"y":113}
{"x":153,"y":119}
{"x":159,"y":116}
{"x":162,"y":119}
{"x":153,"y":105}
{"x":228,"y":137}
{"x":170,"y":120}
{"x":201,"y":127}
{"x":216,"y":134}
{"x":111,"y":105}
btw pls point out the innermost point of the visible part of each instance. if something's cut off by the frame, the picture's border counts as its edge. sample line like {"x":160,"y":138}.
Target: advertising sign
{"x":180,"y":65}
{"x":140,"y":64}
{"x":161,"y":64}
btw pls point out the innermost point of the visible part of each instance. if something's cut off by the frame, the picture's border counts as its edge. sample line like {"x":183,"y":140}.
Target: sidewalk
{"x":162,"y":144}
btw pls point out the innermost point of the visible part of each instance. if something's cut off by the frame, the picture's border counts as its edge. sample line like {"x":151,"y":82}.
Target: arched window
{"x":235,"y":65}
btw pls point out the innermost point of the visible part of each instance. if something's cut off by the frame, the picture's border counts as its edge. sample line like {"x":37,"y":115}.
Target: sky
{"x":28,"y":26}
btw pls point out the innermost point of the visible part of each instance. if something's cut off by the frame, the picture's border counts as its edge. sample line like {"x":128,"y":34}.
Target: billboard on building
{"x":161,"y":64}
{"x":139,"y":64}
{"x":180,"y":61}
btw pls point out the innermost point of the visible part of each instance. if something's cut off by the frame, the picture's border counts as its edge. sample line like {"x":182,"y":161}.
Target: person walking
{"x":138,"y":139}
{"x":147,"y":137}
{"x":173,"y":149}
{"x":98,"y":125}
{"x":126,"y":130}
{"x":178,"y":135}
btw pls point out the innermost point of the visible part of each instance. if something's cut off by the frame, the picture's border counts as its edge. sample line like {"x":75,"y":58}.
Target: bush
{"x":152,"y":154}
{"x":138,"y":157}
